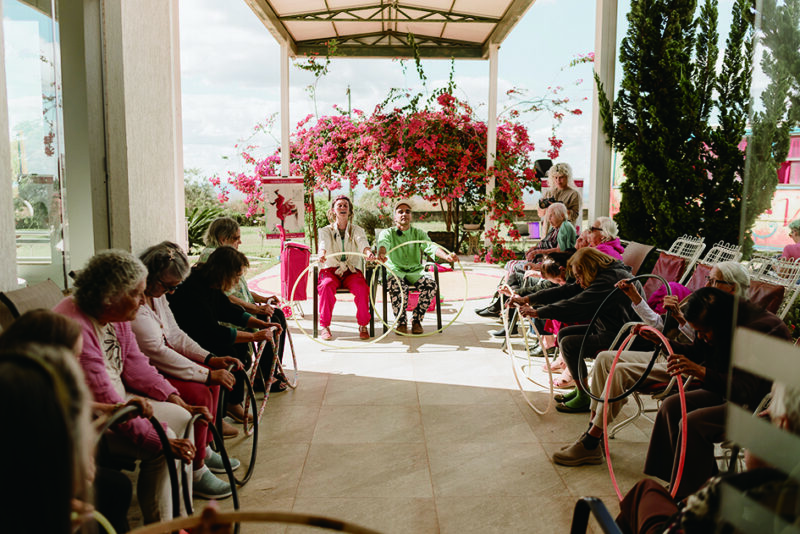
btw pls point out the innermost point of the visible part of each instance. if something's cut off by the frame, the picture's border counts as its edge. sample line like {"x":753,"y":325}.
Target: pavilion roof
{"x":439,"y":28}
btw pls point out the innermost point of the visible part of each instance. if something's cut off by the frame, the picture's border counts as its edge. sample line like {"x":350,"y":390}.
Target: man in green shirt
{"x":406,"y":263}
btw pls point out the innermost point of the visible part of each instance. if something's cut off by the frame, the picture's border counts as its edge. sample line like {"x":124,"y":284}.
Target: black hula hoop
{"x":634,"y":387}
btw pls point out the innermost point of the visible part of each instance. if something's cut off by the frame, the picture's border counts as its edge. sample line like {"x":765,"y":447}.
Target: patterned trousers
{"x":427,"y":291}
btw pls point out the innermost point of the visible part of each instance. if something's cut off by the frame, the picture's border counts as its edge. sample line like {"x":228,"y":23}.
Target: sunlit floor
{"x":423,"y":435}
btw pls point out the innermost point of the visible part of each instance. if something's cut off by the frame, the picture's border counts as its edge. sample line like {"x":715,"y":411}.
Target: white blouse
{"x":355,"y":240}
{"x":169,"y":348}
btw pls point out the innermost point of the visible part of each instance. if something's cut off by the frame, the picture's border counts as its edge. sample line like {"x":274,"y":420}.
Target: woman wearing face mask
{"x":341,"y":235}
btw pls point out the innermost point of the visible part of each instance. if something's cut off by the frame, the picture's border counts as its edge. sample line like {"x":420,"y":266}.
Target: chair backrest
{"x":689,"y":248}
{"x":634,"y":255}
{"x":698,"y":278}
{"x":722,"y":252}
{"x":773,"y":359}
{"x":777,"y":271}
{"x":768,"y":296}
{"x":14,"y":303}
{"x":669,"y":267}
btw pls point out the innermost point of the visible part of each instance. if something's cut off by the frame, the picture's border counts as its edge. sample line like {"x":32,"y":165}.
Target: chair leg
{"x":385,"y":300}
{"x":316,"y":301}
{"x":438,"y":299}
{"x":622,"y":424}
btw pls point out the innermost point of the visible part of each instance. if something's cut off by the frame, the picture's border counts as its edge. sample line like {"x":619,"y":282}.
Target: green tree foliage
{"x":768,"y":145}
{"x":660,"y":122}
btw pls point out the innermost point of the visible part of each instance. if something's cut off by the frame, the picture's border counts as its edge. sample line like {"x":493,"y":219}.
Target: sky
{"x":230,"y":78}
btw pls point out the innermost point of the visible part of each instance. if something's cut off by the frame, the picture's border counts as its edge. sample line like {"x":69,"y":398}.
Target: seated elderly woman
{"x":108,"y":293}
{"x":200,"y":306}
{"x":112,"y":489}
{"x":603,"y":235}
{"x":730,"y":277}
{"x":195,"y":372}
{"x":43,"y":396}
{"x":225,"y":232}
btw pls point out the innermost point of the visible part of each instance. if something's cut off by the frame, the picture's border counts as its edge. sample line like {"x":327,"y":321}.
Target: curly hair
{"x":166,"y":258}
{"x":222,"y":229}
{"x":608,"y":228}
{"x":108,"y":275}
{"x":559,"y":169}
{"x":223,"y":267}
{"x":559,"y":209}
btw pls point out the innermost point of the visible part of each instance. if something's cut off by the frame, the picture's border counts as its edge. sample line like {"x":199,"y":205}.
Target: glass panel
{"x":35,"y":126}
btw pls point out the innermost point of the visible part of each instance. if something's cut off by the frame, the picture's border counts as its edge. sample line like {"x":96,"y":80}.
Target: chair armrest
{"x":594,"y":506}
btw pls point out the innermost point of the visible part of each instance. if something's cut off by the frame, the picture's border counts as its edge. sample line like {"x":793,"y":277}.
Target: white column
{"x":284,"y":109}
{"x":605,"y":50}
{"x":491,"y":125}
{"x":8,"y":250}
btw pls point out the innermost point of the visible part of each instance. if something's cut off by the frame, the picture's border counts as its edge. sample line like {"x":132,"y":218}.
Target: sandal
{"x":237,"y":413}
{"x":564,"y":380}
{"x":558,"y":364}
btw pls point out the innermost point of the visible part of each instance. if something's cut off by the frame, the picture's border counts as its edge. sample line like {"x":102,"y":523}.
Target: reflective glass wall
{"x":37,"y":147}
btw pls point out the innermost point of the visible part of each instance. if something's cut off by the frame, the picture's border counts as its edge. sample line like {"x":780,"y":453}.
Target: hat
{"x":406,"y":201}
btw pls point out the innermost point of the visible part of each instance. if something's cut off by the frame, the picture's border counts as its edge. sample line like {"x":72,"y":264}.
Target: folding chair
{"x":718,"y":253}
{"x":689,"y":248}
{"x":775,"y":271}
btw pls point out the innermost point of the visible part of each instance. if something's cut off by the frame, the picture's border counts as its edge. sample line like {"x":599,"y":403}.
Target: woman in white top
{"x":193,"y":371}
{"x":342,"y":271}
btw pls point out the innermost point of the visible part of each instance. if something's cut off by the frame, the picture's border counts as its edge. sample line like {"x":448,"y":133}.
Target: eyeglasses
{"x":168,"y":288}
{"x":715,"y":282}
{"x":595,"y":229}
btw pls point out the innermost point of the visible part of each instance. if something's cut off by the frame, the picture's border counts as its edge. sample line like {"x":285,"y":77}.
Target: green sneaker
{"x":210,"y":487}
{"x":214,"y":462}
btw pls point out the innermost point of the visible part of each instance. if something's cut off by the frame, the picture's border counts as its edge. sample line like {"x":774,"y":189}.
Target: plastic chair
{"x":718,"y":253}
{"x":690,"y":248}
{"x":670,"y":267}
{"x":775,"y":271}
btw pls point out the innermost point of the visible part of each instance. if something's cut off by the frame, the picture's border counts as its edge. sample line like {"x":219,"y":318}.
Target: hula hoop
{"x":606,"y":401}
{"x":333,"y":345}
{"x":463,"y":300}
{"x":580,"y":379}
{"x":524,"y":328}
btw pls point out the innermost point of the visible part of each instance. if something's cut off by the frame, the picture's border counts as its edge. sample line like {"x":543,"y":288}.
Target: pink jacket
{"x":613,"y":248}
{"x":137,"y":374}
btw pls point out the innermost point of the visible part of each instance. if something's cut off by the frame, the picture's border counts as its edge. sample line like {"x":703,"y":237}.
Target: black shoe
{"x":537,"y":351}
{"x":502,"y":332}
{"x":488,"y":311}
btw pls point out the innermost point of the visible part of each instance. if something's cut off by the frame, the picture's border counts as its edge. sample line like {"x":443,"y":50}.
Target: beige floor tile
{"x":278,"y":469}
{"x":475,"y":423}
{"x":369,"y":424}
{"x":360,"y":391}
{"x":310,"y":390}
{"x":366,"y":470}
{"x":540,"y":514}
{"x":627,"y":459}
{"x":474,"y":469}
{"x":386,"y":515}
{"x":288,"y":423}
{"x":430,"y":393}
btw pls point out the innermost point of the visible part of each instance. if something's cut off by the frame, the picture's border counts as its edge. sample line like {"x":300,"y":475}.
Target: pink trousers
{"x":355,"y":284}
{"x":197,"y":394}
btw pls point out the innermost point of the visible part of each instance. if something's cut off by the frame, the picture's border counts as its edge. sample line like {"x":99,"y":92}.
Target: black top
{"x":199,"y":309}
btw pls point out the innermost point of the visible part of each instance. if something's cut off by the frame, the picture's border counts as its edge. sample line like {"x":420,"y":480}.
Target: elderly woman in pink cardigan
{"x":108,"y":293}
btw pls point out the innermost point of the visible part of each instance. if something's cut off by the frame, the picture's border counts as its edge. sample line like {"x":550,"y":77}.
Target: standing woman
{"x":200,"y":305}
{"x":195,"y":372}
{"x":562,"y":189}
{"x":342,"y":271}
{"x":225,"y":232}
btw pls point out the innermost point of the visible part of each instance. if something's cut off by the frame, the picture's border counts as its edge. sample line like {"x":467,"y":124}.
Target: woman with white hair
{"x":603,"y":235}
{"x":108,"y":293}
{"x":562,"y":189}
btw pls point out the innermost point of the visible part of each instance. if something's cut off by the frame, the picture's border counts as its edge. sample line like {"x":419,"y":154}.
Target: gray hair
{"x":222,"y":229}
{"x":164,"y":258}
{"x":735,"y":273}
{"x":608,"y":228}
{"x":559,"y":209}
{"x":559,"y":169}
{"x":786,"y":403}
{"x":108,"y":275}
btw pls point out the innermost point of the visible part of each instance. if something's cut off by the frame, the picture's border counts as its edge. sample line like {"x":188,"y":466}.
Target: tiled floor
{"x":423,"y":435}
